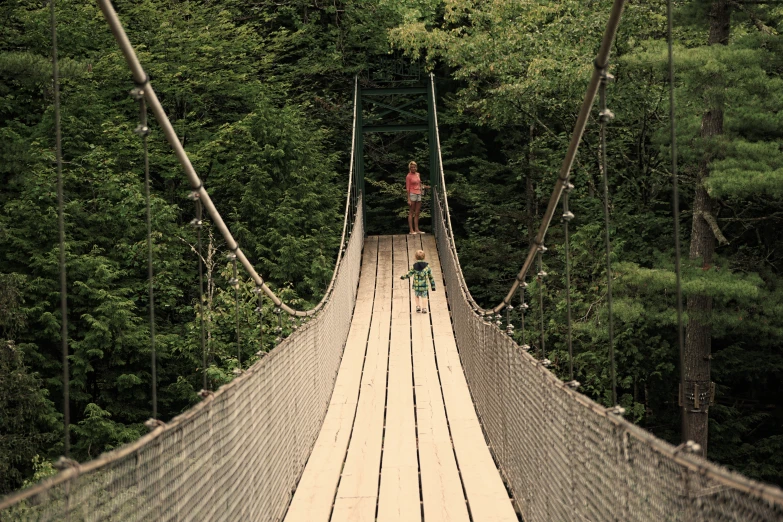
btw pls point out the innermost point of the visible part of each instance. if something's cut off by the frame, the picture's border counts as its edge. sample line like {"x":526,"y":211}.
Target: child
{"x":420,"y":272}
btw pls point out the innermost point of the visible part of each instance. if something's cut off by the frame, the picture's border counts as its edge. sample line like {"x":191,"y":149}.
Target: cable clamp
{"x":231,"y":256}
{"x":233,"y":282}
{"x":546,"y":363}
{"x":541,"y":248}
{"x":568,"y":187}
{"x":64,"y":463}
{"x":196,"y":223}
{"x":205,"y":393}
{"x":616,"y":410}
{"x":568,"y":216}
{"x":688,"y":447}
{"x":542,"y":274}
{"x":142,"y":130}
{"x":151,"y":424}
{"x":144,"y":83}
{"x":574,"y":385}
{"x":525,"y":347}
{"x":605,"y":116}
{"x":137,"y":93}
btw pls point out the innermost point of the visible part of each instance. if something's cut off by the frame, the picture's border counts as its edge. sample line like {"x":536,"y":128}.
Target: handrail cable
{"x":141,"y":78}
{"x":61,"y":226}
{"x":600,"y":64}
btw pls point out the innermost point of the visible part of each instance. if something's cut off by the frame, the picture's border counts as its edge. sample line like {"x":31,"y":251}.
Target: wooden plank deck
{"x":401,"y":440}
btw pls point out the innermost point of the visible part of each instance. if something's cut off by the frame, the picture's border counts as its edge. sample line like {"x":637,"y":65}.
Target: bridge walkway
{"x":401,"y":440}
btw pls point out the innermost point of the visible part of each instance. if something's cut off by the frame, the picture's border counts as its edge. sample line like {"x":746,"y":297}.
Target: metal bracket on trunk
{"x":698,"y":396}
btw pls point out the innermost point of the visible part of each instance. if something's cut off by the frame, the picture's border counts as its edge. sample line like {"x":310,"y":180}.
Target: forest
{"x":260,"y":94}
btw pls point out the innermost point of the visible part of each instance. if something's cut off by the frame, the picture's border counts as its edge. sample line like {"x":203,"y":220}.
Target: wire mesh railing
{"x":237,"y":455}
{"x":566,"y":457}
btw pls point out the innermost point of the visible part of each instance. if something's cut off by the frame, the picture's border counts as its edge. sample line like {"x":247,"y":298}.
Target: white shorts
{"x":415,"y":197}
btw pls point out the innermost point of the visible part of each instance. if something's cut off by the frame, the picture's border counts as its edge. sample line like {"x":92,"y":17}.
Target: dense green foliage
{"x":260,"y":95}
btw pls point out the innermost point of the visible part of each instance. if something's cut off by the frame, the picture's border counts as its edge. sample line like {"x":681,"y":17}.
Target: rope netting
{"x":235,"y":456}
{"x":239,"y":453}
{"x":566,"y":457}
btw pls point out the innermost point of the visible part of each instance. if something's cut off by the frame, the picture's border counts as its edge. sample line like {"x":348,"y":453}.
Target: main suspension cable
{"x":600,"y":63}
{"x":676,"y":209}
{"x":141,"y":77}
{"x":61,"y":227}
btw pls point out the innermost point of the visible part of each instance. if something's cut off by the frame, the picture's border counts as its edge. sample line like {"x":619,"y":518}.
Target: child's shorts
{"x":415,"y":197}
{"x":421,"y":293}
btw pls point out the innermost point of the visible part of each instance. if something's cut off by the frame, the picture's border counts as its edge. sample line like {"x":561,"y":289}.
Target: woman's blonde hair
{"x":420,"y":255}
{"x":412,"y":163}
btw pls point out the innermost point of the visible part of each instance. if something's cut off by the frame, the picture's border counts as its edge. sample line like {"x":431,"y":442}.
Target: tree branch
{"x":713,"y":223}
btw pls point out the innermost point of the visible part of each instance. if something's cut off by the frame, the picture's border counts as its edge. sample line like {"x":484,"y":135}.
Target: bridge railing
{"x":237,"y":455}
{"x":564,"y":456}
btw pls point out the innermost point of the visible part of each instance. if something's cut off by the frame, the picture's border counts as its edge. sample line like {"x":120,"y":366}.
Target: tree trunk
{"x":698,"y":336}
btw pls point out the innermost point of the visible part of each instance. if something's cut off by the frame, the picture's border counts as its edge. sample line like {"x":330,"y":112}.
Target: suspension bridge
{"x":371,"y":411}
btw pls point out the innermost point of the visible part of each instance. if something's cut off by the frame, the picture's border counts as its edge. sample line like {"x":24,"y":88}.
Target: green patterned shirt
{"x":420,"y":272}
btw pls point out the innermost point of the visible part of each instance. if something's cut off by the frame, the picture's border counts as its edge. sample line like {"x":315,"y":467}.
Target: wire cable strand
{"x":676,"y":211}
{"x":567,"y":217}
{"x":199,"y":223}
{"x":604,"y":117}
{"x":143,"y":131}
{"x":61,"y":227}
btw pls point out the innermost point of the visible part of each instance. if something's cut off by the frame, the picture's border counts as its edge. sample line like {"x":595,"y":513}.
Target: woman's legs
{"x":416,"y":210}
{"x":411,"y":207}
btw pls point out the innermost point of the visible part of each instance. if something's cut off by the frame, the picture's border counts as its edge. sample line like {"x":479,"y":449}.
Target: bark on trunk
{"x":698,"y":335}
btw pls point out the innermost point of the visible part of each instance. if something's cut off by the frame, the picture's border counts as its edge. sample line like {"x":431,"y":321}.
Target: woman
{"x":413,"y":188}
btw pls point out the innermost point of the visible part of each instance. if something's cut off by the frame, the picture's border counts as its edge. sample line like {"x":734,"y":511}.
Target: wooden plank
{"x":487,"y":496}
{"x":316,"y":489}
{"x":442,"y":494}
{"x":357,"y":494}
{"x":398,"y":499}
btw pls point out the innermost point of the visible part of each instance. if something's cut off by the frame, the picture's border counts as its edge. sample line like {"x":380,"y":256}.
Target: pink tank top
{"x":413,"y":183}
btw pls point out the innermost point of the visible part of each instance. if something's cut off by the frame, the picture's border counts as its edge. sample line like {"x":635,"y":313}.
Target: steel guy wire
{"x":198,"y":224}
{"x":61,"y":229}
{"x":234,"y":281}
{"x":143,"y":131}
{"x":604,"y":116}
{"x":541,"y":275}
{"x":676,"y":210}
{"x":567,"y":217}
